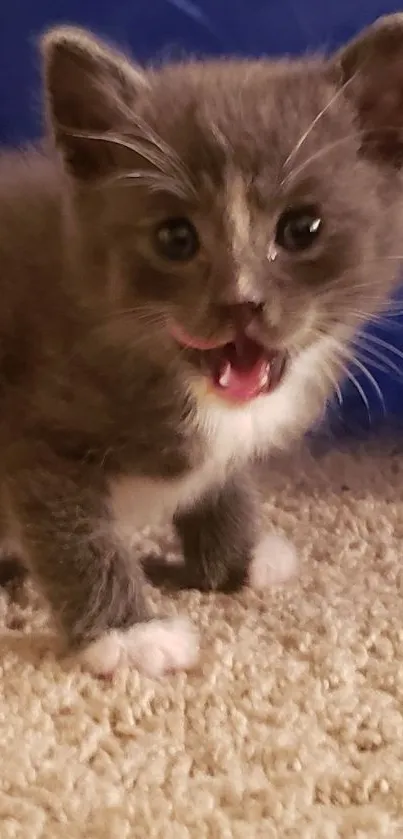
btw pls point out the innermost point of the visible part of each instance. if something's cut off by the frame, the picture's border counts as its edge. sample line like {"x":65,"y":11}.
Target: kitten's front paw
{"x":274,"y":562}
{"x":155,"y":647}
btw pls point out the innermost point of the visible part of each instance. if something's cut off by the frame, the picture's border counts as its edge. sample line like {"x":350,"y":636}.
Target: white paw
{"x":154,"y":647}
{"x":274,"y":562}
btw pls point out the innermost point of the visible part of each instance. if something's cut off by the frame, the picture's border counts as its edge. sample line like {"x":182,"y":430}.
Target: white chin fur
{"x":154,"y":648}
{"x":274,"y":562}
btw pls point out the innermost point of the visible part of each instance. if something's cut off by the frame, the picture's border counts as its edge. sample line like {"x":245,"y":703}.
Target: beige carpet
{"x":291,"y":727}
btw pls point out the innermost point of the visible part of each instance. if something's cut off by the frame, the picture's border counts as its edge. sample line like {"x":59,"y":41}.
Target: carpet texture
{"x":291,"y":727}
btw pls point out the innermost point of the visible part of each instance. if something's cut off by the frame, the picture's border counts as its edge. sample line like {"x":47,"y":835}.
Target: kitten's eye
{"x":177,"y":240}
{"x":297,"y":229}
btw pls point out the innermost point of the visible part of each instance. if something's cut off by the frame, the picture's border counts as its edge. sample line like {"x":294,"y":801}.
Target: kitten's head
{"x":245,"y":213}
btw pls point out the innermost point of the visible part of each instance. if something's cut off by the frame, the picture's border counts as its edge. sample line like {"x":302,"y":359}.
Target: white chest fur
{"x":233,"y":435}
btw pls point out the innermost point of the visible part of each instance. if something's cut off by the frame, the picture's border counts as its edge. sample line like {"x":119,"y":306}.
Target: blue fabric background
{"x":174,"y":27}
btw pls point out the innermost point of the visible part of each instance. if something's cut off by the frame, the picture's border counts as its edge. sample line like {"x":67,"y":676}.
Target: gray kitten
{"x":182,"y":272}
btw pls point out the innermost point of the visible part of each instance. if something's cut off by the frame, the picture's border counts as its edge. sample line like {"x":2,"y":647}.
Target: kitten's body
{"x":64,"y":391}
{"x":174,"y":447}
{"x":106,"y":424}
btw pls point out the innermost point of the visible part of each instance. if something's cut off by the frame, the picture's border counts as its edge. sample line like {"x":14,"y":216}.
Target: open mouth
{"x":239,"y":370}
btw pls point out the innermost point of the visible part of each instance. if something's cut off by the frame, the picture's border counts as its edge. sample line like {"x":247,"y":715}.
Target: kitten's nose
{"x":242,"y":314}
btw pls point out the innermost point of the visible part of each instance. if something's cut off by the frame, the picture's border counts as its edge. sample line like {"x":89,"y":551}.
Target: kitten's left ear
{"x":90,"y":89}
{"x":371,"y":69}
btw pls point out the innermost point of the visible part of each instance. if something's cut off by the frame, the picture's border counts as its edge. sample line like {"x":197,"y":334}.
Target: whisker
{"x":373,"y":357}
{"x":329,"y":147}
{"x":353,"y":360}
{"x":364,"y":320}
{"x":342,"y":351}
{"x":157,"y":141}
{"x":340,"y":92}
{"x":114,"y":139}
{"x":154,"y":181}
{"x":166,"y":151}
{"x":374,"y":339}
{"x":334,"y":383}
{"x":165,"y":162}
{"x":383,"y":318}
{"x":145,"y":308}
{"x":367,"y":359}
{"x":315,"y":156}
{"x":379,"y":366}
{"x":158,"y":183}
{"x":139,"y":315}
{"x":386,"y":314}
{"x":364,"y":370}
{"x":365,"y":341}
{"x":349,"y":375}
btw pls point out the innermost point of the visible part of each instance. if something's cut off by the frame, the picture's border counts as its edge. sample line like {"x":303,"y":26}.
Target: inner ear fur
{"x":91,"y":89}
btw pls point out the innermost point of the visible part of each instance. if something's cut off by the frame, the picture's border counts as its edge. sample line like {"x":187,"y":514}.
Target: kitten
{"x":182,"y":272}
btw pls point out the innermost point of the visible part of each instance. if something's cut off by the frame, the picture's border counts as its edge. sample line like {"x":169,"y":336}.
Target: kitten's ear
{"x":90,"y":90}
{"x":371,"y":69}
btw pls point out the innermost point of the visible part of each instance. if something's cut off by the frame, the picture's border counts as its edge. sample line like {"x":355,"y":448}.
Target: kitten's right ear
{"x":90,"y":90}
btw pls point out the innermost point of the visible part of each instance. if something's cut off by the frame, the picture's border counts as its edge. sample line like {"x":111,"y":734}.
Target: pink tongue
{"x":242,"y":371}
{"x":242,"y":385}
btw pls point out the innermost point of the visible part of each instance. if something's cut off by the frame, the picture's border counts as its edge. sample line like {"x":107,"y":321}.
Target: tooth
{"x":224,"y":379}
{"x":264,"y":375}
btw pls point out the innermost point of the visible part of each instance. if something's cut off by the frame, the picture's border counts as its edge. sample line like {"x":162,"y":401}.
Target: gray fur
{"x":92,"y":387}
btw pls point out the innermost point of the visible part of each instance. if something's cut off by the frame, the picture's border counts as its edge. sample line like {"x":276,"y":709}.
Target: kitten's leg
{"x":93,"y":587}
{"x":221,"y":547}
{"x":12,"y":567}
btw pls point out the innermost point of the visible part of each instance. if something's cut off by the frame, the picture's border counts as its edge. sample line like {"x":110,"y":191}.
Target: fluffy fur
{"x":106,"y":423}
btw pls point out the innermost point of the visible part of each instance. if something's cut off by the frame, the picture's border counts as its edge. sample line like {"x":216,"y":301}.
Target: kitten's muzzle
{"x":238,"y":370}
